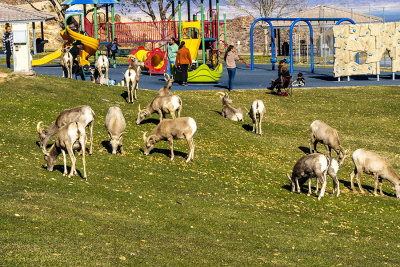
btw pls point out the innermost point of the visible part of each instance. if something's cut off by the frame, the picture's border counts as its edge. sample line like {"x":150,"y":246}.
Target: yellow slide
{"x":192,"y":44}
{"x":90,"y":46}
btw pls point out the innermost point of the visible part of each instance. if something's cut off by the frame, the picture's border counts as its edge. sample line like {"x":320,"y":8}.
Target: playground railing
{"x":132,"y":32}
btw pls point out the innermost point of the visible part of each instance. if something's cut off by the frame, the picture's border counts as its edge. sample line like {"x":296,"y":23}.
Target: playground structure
{"x":373,"y":40}
{"x":198,"y":34}
{"x":293,"y":24}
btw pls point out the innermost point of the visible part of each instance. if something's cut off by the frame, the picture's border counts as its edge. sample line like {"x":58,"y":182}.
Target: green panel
{"x":202,"y":74}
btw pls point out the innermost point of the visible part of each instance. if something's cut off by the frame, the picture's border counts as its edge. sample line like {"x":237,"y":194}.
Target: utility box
{"x":21,"y":49}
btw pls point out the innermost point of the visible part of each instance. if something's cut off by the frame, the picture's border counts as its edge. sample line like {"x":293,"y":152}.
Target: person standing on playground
{"x":172,"y":49}
{"x":75,"y":52}
{"x":183,"y":60}
{"x":114,"y":49}
{"x":230,"y":58}
{"x":8,"y":44}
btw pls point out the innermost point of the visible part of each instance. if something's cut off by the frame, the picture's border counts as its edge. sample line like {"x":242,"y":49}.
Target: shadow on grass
{"x":106,"y":145}
{"x":124,"y":95}
{"x":218,"y":112}
{"x":167,"y":152}
{"x":367,"y":188}
{"x":150,"y":120}
{"x":305,"y":150}
{"x":60,"y":168}
{"x":247,"y":127}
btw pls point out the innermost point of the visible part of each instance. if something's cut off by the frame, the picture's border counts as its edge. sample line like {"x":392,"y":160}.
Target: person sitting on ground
{"x":300,"y":82}
{"x":278,"y":81}
{"x":75,"y":52}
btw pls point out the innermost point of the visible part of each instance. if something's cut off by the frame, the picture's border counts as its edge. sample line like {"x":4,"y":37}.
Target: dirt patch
{"x":3,"y":76}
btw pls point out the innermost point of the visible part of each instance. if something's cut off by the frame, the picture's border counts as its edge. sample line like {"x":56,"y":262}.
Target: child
{"x":113,"y":46}
{"x":300,"y":82}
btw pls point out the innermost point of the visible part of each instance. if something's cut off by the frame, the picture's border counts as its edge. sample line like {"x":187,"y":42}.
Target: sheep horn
{"x":290,"y":178}
{"x":139,"y":108}
{"x":221,"y":94}
{"x":38,"y":128}
{"x":144,"y":136}
{"x":167,"y":79}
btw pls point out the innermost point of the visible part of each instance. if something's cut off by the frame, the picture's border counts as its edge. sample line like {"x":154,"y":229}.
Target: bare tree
{"x":267,"y":8}
{"x":148,"y":7}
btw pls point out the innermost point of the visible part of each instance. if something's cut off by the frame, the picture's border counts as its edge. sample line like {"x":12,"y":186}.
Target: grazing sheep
{"x":371,"y":163}
{"x":307,"y":167}
{"x":162,"y":105}
{"x":115,"y":125}
{"x":168,"y":130}
{"x":323,"y":133}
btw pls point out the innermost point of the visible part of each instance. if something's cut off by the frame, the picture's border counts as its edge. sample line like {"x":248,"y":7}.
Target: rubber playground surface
{"x":245,"y":78}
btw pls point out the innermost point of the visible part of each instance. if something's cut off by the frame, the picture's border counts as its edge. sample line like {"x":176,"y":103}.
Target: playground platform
{"x":245,"y":78}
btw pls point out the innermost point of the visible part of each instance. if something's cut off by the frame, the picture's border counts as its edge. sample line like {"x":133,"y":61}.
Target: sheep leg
{"x":352,"y":177}
{"x":336,"y":182}
{"x":254,"y":126}
{"x":375,"y":184}
{"x":309,"y":187}
{"x":323,"y":187}
{"x":298,"y":186}
{"x":82,"y":141}
{"x":70,"y":71}
{"x":380,"y":187}
{"x":73,"y":161}
{"x":179,"y":111}
{"x":121,"y":148}
{"x":359,"y":181}
{"x":171,"y":147}
{"x":135,"y":89}
{"x":160,"y":114}
{"x":172,"y":112}
{"x":191,"y":148}
{"x":312,"y":143}
{"x":259,"y":126}
{"x":317,"y":187}
{"x":90,"y":126}
{"x":328,"y":149}
{"x":65,"y":163}
{"x":107,"y":73}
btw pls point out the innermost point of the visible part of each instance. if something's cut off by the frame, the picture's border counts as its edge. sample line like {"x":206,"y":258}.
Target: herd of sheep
{"x":69,"y":128}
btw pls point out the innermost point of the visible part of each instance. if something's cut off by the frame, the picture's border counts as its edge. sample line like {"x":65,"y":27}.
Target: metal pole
{"x":218,"y":45}
{"x":95,"y":27}
{"x":173,"y":10}
{"x":225,"y":36}
{"x":107,"y":22}
{"x":203,"y":46}
{"x":112,"y":22}
{"x":180,"y":20}
{"x":34,"y":38}
{"x":190,"y":30}
{"x":41,"y":29}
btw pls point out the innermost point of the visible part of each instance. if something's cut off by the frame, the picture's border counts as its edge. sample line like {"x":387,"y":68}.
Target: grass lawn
{"x":231,"y":206}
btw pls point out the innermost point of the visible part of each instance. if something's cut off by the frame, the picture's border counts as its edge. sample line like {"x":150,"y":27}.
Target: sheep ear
{"x":38,"y":128}
{"x":144,"y":136}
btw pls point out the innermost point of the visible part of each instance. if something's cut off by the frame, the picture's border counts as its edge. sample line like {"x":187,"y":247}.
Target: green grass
{"x":231,"y":206}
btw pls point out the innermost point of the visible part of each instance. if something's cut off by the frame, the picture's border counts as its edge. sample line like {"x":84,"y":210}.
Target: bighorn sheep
{"x":131,"y":77}
{"x":332,"y":172}
{"x":101,"y":67}
{"x":69,"y":138}
{"x":323,"y":133}
{"x":307,"y":167}
{"x":66,"y":63}
{"x":83,"y":114}
{"x":168,"y":130}
{"x":115,"y":125}
{"x":371,"y":163}
{"x":228,"y":111}
{"x":163,"y":105}
{"x":164,"y":91}
{"x":256,"y":113}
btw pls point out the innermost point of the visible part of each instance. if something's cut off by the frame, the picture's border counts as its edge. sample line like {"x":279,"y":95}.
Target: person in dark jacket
{"x":8,"y":44}
{"x":113,"y":46}
{"x":183,"y":61}
{"x":278,"y":81}
{"x":75,"y":52}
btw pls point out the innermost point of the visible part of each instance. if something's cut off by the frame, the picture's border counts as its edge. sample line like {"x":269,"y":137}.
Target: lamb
{"x":307,"y":167}
{"x":69,"y":138}
{"x":228,"y":111}
{"x":323,"y":133}
{"x":101,"y":66}
{"x":163,"y":105}
{"x":171,"y":129}
{"x":371,"y":163}
{"x":131,"y":77}
{"x":115,"y":125}
{"x":66,"y":63}
{"x":83,"y":114}
{"x":256,"y":113}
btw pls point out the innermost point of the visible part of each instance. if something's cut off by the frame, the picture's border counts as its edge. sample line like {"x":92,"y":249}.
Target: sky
{"x":391,"y":8}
